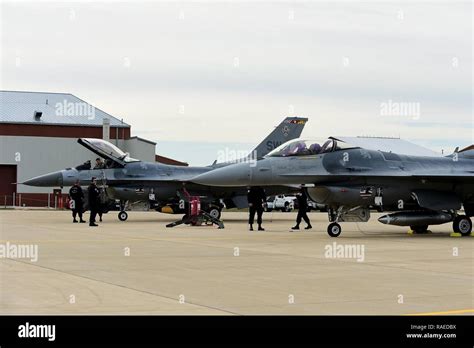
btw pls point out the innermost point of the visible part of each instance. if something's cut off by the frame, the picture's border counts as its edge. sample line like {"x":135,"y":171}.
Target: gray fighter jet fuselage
{"x":132,"y":181}
{"x":352,"y":180}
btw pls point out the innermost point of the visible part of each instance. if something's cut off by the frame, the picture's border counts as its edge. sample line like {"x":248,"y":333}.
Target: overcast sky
{"x":197,"y":77}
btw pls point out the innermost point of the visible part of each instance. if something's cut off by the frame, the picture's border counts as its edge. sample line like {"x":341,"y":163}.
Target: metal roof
{"x":56,"y":108}
{"x":395,"y":145}
{"x":144,"y":140}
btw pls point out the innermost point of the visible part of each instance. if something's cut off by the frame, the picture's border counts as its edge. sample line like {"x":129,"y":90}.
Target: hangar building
{"x":39,"y":132}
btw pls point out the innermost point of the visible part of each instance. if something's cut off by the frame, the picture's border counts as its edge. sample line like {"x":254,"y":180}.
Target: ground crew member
{"x":76,"y":195}
{"x":99,"y":164}
{"x":152,"y":198}
{"x":256,"y":198}
{"x":101,"y":208}
{"x":94,"y":201}
{"x":302,"y":209}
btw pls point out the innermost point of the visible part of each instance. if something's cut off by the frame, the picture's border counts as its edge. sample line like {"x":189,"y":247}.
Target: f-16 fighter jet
{"x":352,"y":179}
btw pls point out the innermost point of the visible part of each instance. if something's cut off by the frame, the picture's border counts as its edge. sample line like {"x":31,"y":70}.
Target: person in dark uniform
{"x":302,"y":209}
{"x":100,"y":210}
{"x":76,"y":195}
{"x":256,"y":198}
{"x":94,"y":201}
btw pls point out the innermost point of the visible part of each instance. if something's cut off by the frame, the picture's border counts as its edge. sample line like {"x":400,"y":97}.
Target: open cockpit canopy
{"x":104,"y":149}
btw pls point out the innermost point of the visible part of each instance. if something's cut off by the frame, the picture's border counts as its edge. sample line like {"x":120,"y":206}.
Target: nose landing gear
{"x":122,"y":215}
{"x":345,"y":214}
{"x":334,"y":229}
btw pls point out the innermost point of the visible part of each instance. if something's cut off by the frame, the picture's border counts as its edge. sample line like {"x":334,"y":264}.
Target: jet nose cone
{"x":232,"y":175}
{"x":47,"y":180}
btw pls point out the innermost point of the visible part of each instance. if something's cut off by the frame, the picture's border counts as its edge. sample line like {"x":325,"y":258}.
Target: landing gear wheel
{"x":462,"y":224}
{"x":419,"y":229}
{"x":334,"y":229}
{"x":215,"y":213}
{"x":123,"y":216}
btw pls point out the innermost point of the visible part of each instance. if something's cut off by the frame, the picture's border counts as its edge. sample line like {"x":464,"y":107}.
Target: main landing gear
{"x":462,"y":224}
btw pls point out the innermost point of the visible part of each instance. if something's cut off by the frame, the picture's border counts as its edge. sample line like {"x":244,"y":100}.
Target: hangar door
{"x":7,"y":176}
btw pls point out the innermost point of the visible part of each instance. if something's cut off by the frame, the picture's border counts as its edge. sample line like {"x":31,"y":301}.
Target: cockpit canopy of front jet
{"x":114,"y":157}
{"x":301,"y":147}
{"x":110,"y":149}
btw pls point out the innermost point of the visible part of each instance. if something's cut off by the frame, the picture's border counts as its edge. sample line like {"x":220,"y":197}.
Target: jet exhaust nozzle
{"x":416,"y":218}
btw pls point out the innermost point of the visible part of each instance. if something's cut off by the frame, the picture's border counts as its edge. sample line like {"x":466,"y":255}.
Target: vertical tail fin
{"x":290,"y":128}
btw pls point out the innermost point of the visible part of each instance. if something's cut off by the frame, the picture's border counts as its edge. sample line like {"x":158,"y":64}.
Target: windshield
{"x":300,"y":147}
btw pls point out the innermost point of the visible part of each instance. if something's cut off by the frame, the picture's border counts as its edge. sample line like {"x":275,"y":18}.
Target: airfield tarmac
{"x":203,"y":270}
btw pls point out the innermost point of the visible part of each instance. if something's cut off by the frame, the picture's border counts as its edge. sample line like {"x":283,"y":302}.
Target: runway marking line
{"x":459,"y":311}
